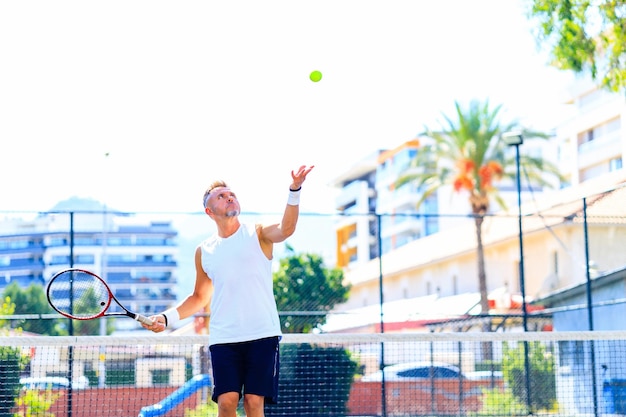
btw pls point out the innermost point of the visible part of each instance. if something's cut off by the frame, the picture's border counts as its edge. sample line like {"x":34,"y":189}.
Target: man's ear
{"x":208,"y":211}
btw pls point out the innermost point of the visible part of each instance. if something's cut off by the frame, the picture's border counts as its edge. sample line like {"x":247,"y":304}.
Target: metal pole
{"x":380,"y":275}
{"x":103,"y":321}
{"x":592,"y":346}
{"x":382,"y":318}
{"x":70,"y":351}
{"x":431,"y":376}
{"x":588,"y":274}
{"x":521,"y":278}
{"x":103,"y":272}
{"x":521,"y":241}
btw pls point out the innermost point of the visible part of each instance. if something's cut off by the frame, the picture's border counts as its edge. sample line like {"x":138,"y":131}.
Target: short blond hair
{"x":214,"y":185}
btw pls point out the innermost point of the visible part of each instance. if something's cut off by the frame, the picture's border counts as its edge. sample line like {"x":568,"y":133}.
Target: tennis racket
{"x":83,"y":295}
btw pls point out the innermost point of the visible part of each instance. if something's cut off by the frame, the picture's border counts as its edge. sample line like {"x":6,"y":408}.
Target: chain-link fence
{"x":348,"y":272}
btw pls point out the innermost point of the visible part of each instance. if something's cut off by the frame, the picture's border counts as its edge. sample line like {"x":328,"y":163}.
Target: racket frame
{"x":126,"y":312}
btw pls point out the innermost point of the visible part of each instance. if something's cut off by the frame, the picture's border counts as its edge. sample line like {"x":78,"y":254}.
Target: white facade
{"x":592,"y":142}
{"x":589,"y":149}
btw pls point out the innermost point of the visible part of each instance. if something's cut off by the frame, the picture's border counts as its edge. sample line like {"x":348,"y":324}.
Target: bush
{"x":12,"y":362}
{"x":203,"y":410}
{"x":11,"y":365}
{"x":314,"y":381}
{"x":36,"y":403}
{"x":542,"y":378}
{"x":498,"y":402}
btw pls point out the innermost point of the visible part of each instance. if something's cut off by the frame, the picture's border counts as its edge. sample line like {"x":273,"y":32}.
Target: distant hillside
{"x":78,"y":204}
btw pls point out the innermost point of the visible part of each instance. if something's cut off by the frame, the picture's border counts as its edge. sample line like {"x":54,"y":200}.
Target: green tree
{"x":584,"y":36}
{"x":208,"y":408}
{"x":314,"y":381}
{"x":32,"y":300}
{"x":36,"y":403}
{"x":302,"y":284}
{"x":12,"y":362}
{"x":499,"y":402}
{"x":89,"y":304}
{"x":542,"y":376}
{"x":467,"y":153}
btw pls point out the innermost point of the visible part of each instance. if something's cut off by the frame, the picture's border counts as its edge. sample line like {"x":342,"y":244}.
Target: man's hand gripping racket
{"x":82,"y":295}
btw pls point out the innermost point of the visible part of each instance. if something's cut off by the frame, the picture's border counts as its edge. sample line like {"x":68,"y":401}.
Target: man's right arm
{"x":194,"y":302}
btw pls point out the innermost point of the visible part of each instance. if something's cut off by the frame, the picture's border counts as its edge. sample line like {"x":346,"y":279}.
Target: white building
{"x":136,"y":256}
{"x":592,"y":142}
{"x":438,"y":257}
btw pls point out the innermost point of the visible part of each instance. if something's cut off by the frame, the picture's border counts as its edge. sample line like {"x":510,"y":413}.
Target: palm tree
{"x":468,"y":154}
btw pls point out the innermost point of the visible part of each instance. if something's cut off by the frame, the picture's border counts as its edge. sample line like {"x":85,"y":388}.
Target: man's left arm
{"x":276,"y":233}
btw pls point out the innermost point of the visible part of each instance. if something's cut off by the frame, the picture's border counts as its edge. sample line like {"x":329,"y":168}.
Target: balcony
{"x":140,"y":263}
{"x":403,"y":225}
{"x":599,"y":150}
{"x":356,"y":194}
{"x":20,"y":265}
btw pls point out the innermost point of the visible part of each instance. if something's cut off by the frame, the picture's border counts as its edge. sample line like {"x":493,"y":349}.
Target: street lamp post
{"x":515,"y":138}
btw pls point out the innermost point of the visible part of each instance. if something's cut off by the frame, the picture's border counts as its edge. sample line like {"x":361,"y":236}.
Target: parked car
{"x":52,"y":382}
{"x":416,"y":370}
{"x":420,"y":388}
{"x":484,"y":375}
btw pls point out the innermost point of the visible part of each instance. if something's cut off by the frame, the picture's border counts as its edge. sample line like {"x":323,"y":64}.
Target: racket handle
{"x":143,"y":319}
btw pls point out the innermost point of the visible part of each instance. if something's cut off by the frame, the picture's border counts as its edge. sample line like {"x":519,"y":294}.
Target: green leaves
{"x":467,"y":153}
{"x":584,"y":36}
{"x":305,"y":290}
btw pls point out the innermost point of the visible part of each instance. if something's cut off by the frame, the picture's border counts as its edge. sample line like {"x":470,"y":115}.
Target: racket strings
{"x":78,"y":294}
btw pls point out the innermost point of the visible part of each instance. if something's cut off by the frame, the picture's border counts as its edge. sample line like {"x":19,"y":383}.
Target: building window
{"x":586,"y":136}
{"x":86,"y":259}
{"x":568,"y":353}
{"x":615,"y":164}
{"x":14,"y":244}
{"x":57,"y":241}
{"x":59,"y":260}
{"x":593,"y":171}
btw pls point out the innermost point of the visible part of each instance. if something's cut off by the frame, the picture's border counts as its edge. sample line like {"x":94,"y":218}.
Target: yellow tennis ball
{"x":315,"y":76}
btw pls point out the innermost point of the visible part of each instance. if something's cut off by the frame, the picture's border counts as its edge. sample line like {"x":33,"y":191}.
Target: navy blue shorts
{"x":247,"y":368}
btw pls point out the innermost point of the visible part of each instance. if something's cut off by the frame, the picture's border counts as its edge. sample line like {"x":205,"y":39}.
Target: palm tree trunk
{"x":487,"y":351}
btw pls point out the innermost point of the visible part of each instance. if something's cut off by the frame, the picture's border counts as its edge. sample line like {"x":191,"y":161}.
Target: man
{"x":233,"y":272}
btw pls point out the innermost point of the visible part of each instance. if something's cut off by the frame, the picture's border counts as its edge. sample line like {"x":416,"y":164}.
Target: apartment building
{"x":373,"y":206}
{"x":438,"y":259}
{"x":357,"y":231}
{"x":592,"y":142}
{"x":136,"y":256}
{"x":379,"y":217}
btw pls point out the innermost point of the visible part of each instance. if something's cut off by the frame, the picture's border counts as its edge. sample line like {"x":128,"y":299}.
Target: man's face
{"x":222,"y":202}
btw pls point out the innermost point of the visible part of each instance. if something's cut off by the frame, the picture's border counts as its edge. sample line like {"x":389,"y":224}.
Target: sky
{"x":141,"y":104}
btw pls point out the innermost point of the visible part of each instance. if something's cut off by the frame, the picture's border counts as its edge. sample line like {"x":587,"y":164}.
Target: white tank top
{"x":243,"y":306}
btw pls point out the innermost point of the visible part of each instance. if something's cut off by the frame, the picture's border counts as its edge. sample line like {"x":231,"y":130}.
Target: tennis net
{"x":564,"y":373}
